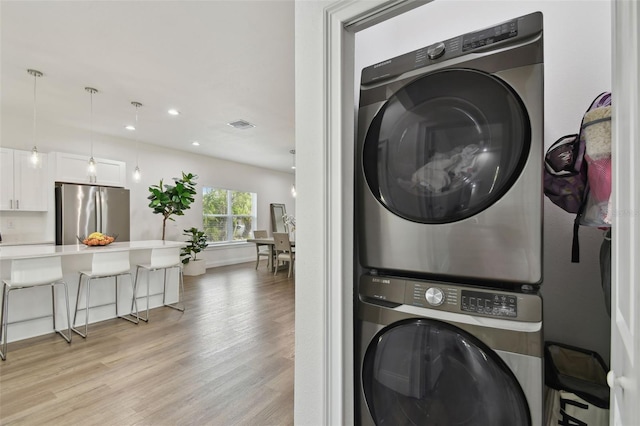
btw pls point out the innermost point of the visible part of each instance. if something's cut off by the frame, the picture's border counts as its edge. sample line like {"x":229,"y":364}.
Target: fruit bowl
{"x":97,"y":239}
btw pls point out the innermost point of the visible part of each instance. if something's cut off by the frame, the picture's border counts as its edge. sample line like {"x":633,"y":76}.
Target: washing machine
{"x":433,"y":353}
{"x":449,"y":147}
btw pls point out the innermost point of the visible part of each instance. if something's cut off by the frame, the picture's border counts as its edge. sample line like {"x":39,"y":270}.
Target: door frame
{"x":329,"y":400}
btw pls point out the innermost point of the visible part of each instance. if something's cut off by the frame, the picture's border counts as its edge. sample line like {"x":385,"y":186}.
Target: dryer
{"x":433,"y":353}
{"x":449,"y":147}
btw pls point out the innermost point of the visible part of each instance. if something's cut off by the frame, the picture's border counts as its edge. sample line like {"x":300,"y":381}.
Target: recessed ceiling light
{"x":130,"y":127}
{"x":241,"y":124}
{"x":173,"y":111}
{"x":195,"y":143}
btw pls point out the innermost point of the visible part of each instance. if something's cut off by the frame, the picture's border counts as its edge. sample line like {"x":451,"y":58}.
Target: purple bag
{"x":565,"y":171}
{"x":565,"y":180}
{"x":564,"y":176}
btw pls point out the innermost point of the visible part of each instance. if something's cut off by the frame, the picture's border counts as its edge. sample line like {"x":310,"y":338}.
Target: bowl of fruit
{"x":97,"y":239}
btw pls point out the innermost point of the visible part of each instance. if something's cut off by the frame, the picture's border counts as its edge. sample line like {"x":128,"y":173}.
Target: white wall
{"x":577,"y":68}
{"x":156,"y":163}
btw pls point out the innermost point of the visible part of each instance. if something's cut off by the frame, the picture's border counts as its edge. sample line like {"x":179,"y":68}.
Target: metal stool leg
{"x":178,"y":306}
{"x":66,"y":337}
{"x":3,"y":332}
{"x":125,"y":317}
{"x":86,"y":308}
{"x":135,"y":295}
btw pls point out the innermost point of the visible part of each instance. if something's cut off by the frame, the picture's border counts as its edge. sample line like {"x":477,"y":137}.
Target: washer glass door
{"x":446,"y":146}
{"x":426,"y":372}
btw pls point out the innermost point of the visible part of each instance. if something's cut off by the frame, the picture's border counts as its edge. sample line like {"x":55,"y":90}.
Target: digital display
{"x":490,"y":36}
{"x":494,"y":304}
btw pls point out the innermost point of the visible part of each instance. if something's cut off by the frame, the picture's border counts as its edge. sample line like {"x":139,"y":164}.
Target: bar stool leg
{"x":175,"y":306}
{"x":86,"y":308}
{"x":66,"y":337}
{"x":125,"y":317}
{"x":135,"y":295}
{"x":3,"y":333}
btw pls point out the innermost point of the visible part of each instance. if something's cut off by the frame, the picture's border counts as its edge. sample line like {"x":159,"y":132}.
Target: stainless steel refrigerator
{"x":83,"y":209}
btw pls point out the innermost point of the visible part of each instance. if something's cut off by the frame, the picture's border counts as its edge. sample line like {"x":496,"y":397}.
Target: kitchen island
{"x":28,"y":307}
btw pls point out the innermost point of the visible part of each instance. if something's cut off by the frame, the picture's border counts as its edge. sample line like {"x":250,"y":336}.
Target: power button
{"x":434,"y":296}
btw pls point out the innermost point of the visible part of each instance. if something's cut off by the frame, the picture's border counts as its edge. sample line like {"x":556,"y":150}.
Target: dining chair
{"x":30,"y":273}
{"x":261,"y":249}
{"x":283,"y":251}
{"x":108,"y":264}
{"x":164,"y":258}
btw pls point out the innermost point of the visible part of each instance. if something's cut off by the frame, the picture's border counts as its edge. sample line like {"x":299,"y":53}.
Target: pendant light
{"x":293,"y":187}
{"x":35,"y":156}
{"x":137,"y":175}
{"x":91,"y":167}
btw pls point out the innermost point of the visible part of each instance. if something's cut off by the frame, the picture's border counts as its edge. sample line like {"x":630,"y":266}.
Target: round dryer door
{"x":426,"y":372}
{"x":446,"y":146}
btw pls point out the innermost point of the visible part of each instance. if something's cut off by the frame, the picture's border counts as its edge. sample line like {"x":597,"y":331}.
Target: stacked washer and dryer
{"x":449,"y":232}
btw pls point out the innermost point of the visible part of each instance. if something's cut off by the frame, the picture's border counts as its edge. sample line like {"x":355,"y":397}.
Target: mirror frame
{"x":277,"y":218}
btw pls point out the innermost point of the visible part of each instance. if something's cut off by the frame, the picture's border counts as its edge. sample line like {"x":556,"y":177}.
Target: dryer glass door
{"x":426,"y":372}
{"x":446,"y":146}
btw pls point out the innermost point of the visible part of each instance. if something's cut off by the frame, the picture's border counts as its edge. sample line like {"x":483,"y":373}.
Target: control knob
{"x":434,"y":296}
{"x":435,"y":50}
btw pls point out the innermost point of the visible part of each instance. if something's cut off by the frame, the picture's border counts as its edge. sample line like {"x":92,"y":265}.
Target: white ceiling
{"x":214,"y":61}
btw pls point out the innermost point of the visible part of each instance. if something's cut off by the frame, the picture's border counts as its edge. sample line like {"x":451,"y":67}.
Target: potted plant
{"x":170,"y":200}
{"x":196,"y":242}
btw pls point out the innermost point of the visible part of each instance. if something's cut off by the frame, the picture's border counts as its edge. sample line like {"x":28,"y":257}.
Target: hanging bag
{"x":567,"y":180}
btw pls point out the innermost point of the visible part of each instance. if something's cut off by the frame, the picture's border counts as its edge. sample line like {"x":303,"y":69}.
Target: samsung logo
{"x":382,"y":63}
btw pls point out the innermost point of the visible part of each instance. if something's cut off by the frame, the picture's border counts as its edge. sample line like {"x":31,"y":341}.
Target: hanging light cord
{"x":137,"y":141}
{"x":35,"y":80}
{"x":91,"y":122}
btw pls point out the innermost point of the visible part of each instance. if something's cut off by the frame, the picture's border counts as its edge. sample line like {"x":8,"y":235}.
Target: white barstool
{"x":29,"y":273}
{"x":105,"y":265}
{"x":164,"y":258}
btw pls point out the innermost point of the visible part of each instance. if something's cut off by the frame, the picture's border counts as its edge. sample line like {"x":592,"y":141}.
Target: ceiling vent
{"x":241,"y":124}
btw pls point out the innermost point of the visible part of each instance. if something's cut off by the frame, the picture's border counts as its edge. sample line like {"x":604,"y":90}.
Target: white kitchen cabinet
{"x":72,"y":168}
{"x":23,"y":186}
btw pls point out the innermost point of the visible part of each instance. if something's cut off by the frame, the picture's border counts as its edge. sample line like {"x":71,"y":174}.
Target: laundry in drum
{"x":446,"y":171}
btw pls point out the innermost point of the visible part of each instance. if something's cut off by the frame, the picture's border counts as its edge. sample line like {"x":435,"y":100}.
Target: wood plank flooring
{"x":227,"y":360}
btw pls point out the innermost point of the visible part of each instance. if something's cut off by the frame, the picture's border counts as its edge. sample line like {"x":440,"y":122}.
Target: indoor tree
{"x":172,"y":200}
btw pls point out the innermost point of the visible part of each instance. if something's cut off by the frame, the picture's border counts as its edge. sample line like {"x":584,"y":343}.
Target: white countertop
{"x":28,"y":251}
{"x":25,"y":243}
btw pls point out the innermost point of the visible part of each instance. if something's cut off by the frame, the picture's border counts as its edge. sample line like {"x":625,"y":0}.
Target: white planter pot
{"x":195,"y":267}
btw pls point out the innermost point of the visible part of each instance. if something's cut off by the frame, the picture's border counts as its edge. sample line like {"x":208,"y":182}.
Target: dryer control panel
{"x":496,"y":36}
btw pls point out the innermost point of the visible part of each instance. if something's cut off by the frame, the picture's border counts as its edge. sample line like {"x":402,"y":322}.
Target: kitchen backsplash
{"x":25,"y":227}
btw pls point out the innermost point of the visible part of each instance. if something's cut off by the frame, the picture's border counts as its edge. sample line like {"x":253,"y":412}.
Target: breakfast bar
{"x":28,"y":309}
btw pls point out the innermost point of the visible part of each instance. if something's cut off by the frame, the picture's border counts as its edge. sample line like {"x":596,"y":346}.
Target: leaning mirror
{"x":277,"y":218}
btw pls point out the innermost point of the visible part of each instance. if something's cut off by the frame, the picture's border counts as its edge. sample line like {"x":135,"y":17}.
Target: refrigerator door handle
{"x":99,"y":210}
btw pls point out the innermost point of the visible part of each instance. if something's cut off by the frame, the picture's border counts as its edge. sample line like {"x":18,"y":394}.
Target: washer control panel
{"x":393,"y":292}
{"x":494,"y":304}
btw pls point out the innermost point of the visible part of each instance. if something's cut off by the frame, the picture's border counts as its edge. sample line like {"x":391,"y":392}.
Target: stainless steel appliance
{"x":83,"y":209}
{"x":449,"y":158}
{"x":433,"y":353}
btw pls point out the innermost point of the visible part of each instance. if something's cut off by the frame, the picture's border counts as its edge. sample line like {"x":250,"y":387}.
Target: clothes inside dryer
{"x":446,"y":146}
{"x":428,"y":372}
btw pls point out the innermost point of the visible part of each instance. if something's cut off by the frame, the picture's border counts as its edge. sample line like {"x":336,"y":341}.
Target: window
{"x":228,"y":215}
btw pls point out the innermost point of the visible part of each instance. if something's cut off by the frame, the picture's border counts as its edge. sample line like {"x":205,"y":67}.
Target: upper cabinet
{"x":72,"y":168}
{"x":24,"y":187}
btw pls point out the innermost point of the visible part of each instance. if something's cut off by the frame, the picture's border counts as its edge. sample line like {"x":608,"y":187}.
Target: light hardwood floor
{"x":227,"y":360}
